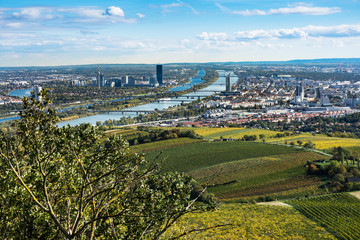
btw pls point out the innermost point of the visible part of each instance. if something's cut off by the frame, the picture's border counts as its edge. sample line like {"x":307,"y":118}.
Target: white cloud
{"x":32,"y":13}
{"x":89,"y":32}
{"x":140,"y":15}
{"x":213,"y":36}
{"x":250,"y":12}
{"x":188,"y":6}
{"x":299,"y":8}
{"x":115,"y":11}
{"x":86,"y":12}
{"x":166,"y":7}
{"x":15,"y":25}
{"x":61,"y":16}
{"x":339,"y":31}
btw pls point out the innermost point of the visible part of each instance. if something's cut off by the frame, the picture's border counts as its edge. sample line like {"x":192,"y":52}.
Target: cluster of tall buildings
{"x":130,"y":80}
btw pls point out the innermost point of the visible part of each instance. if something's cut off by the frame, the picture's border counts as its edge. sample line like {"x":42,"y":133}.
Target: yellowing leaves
{"x":249,"y":221}
{"x":321,"y":141}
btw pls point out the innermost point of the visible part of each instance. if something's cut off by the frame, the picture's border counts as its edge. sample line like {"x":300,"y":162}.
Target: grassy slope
{"x":198,"y":155}
{"x":238,"y":169}
{"x":261,"y":176}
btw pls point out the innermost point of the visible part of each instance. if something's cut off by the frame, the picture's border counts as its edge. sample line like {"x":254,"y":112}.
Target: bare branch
{"x":200,"y":230}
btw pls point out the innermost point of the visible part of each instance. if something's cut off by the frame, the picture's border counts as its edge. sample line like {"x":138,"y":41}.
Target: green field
{"x":340,"y":213}
{"x":238,"y":170}
{"x":251,"y":221}
{"x":189,"y":157}
{"x":271,"y":176}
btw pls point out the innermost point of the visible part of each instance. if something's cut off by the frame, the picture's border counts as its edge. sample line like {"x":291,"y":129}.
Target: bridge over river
{"x":159,"y":105}
{"x":128,"y":111}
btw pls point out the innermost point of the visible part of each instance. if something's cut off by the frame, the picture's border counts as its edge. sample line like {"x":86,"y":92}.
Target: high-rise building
{"x":98,"y":83}
{"x":299,"y":91}
{"x":118,"y":82}
{"x":228,"y":83}
{"x":318,"y":93}
{"x":131,"y":81}
{"x":124,"y":80}
{"x":102,"y":80}
{"x":159,"y":74}
{"x":153,"y":82}
{"x":299,"y":95}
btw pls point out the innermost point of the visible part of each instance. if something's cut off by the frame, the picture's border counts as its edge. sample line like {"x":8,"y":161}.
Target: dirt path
{"x":356,"y":194}
{"x":275,"y":203}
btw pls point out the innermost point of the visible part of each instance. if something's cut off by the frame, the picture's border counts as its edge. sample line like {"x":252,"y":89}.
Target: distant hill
{"x":296,"y":61}
{"x":321,"y":61}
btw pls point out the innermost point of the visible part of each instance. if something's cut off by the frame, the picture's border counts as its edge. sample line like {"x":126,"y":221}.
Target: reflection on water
{"x":217,"y":86}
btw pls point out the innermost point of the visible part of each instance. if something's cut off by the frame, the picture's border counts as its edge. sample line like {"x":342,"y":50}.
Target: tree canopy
{"x":74,"y":183}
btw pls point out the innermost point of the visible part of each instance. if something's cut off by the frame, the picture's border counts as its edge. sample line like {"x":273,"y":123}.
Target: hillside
{"x":238,"y":170}
{"x":239,"y":173}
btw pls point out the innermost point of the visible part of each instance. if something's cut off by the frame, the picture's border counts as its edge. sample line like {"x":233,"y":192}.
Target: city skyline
{"x":45,"y":33}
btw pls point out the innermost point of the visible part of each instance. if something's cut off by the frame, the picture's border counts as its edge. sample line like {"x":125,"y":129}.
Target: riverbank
{"x":211,"y":86}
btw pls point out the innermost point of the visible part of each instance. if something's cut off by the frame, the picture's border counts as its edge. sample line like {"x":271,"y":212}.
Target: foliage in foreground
{"x":65,"y":183}
{"x":337,"y":212}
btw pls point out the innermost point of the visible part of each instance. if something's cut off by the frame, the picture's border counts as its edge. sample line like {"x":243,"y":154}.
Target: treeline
{"x":342,"y":178}
{"x":346,"y":126}
{"x":187,"y":111}
{"x":319,"y":76}
{"x":147,"y":135}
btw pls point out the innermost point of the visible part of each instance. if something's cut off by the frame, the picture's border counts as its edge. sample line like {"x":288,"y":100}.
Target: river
{"x":218,"y":85}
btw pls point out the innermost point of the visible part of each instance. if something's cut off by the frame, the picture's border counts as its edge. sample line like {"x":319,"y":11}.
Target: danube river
{"x":217,"y":86}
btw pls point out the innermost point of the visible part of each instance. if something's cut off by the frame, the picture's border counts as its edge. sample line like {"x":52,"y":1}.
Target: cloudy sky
{"x":39,"y":32}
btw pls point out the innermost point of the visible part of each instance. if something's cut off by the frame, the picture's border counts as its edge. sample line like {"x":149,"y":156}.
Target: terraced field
{"x":250,"y":221}
{"x":340,"y":213}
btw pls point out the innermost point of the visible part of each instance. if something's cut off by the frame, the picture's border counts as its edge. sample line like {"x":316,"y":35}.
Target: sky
{"x":50,"y":33}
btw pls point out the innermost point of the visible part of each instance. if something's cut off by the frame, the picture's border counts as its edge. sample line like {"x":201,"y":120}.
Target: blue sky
{"x":40,"y":32}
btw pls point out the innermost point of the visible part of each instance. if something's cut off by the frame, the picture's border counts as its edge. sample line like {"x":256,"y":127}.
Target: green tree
{"x":67,"y":183}
{"x":340,"y":154}
{"x":309,"y":144}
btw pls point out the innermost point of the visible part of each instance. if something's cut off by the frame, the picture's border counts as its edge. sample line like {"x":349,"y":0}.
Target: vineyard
{"x":250,"y":221}
{"x":321,"y":141}
{"x":340,"y":213}
{"x":238,"y":170}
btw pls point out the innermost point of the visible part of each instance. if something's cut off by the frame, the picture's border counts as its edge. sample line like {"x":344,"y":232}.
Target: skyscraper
{"x":299,"y":95}
{"x":300,"y":91}
{"x":98,"y":77}
{"x":124,"y":80}
{"x":131,"y":81}
{"x":318,"y":93}
{"x":228,"y":83}
{"x":159,"y":74}
{"x":102,"y":80}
